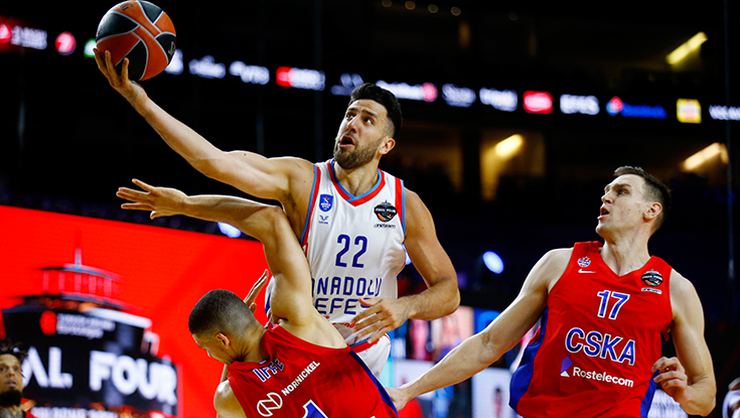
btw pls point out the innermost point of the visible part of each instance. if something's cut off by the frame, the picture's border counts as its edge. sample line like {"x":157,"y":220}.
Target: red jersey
{"x":600,"y":335}
{"x":301,"y":379}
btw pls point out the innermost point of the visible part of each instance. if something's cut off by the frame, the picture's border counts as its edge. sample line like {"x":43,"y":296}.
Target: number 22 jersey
{"x":599,"y":337}
{"x":354,"y":244}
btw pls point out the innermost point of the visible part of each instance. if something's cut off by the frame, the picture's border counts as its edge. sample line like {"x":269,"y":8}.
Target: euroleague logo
{"x":652,"y":277}
{"x":266,"y":406}
{"x":385,"y":211}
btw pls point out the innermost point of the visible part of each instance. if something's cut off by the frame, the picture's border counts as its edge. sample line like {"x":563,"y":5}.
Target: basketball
{"x":140,"y":31}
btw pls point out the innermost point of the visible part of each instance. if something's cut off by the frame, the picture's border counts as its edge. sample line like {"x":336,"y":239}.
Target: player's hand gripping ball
{"x":140,"y":31}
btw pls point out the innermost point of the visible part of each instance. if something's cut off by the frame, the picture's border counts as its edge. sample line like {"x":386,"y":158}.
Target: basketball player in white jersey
{"x":353,"y":218}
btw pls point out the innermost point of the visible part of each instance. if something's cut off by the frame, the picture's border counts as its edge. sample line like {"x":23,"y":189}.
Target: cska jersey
{"x":354,"y":244}
{"x":304,"y":380}
{"x":600,"y":335}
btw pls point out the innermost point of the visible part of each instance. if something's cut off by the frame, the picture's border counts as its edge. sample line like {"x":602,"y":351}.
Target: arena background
{"x":465,"y":72}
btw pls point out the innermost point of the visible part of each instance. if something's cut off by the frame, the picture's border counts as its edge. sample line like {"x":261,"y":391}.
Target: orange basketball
{"x":140,"y":31}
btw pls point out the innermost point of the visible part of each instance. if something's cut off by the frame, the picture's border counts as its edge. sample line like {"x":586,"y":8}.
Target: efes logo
{"x":385,"y":211}
{"x":584,"y":262}
{"x":652,"y":277}
{"x":326,"y":201}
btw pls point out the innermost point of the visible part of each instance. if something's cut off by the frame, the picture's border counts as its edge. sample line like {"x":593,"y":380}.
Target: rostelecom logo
{"x":592,"y":375}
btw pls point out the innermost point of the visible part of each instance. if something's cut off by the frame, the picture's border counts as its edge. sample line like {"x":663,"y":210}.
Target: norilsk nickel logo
{"x":326,"y":201}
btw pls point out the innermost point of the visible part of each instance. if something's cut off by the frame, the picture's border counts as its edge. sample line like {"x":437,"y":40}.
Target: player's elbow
{"x":708,"y":405}
{"x":704,"y":409}
{"x":274,"y":220}
{"x":263,"y":222}
{"x":453,"y":300}
{"x":704,"y":403}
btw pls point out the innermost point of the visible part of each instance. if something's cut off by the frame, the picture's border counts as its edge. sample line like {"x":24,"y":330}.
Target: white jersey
{"x":354,"y":244}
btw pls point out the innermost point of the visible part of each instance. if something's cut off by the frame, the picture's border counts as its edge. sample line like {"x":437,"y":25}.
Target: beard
{"x":11,"y":397}
{"x":356,"y":158}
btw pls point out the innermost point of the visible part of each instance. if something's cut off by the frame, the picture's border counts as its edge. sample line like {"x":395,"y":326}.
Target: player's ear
{"x":654,"y":210}
{"x":387,"y":145}
{"x":223,"y":339}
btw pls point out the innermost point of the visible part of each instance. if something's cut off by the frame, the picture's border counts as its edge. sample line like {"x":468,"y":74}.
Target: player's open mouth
{"x":346,"y":141}
{"x":603,"y":212}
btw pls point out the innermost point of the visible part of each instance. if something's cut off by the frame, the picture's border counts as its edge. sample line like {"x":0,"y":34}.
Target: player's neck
{"x":624,"y":255}
{"x":359,"y":180}
{"x":251,"y":350}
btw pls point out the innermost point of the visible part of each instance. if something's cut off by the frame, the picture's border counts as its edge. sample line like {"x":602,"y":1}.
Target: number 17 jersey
{"x":599,"y":337}
{"x":354,"y":244}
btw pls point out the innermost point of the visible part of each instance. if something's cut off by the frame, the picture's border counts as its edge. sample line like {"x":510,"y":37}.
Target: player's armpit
{"x":225,"y":402}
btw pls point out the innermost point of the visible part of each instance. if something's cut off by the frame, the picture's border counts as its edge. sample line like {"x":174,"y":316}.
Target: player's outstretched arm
{"x":479,"y":351}
{"x":269,"y":178}
{"x":266,"y":223}
{"x":441,"y":297}
{"x":689,"y":379}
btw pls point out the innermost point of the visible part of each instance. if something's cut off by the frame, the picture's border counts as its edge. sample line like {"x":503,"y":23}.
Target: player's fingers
{"x":659,"y":364}
{"x":369,"y":301}
{"x":108,"y":63}
{"x":124,"y":71}
{"x":365,"y":314}
{"x":99,"y":60}
{"x":378,"y":334}
{"x":666,"y":376}
{"x":133,"y":195}
{"x":369,"y":329}
{"x":255,"y":290}
{"x":136,"y":206}
{"x":669,"y":364}
{"x":672,"y":384}
{"x":143,"y":185}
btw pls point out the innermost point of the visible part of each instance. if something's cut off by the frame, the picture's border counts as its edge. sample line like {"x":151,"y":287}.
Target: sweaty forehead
{"x":368,"y":106}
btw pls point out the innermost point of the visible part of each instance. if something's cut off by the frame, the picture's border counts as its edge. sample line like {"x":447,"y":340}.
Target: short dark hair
{"x":654,"y":189}
{"x":14,"y":349}
{"x":378,"y":94}
{"x":219,"y":310}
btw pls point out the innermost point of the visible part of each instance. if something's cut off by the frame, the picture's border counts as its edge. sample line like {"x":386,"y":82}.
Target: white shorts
{"x":376,"y":356}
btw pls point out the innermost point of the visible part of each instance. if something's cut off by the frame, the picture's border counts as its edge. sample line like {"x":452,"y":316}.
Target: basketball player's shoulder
{"x":557,"y":257}
{"x":225,"y":402}
{"x":550,"y":267}
{"x":681,"y":287}
{"x":294,"y":164}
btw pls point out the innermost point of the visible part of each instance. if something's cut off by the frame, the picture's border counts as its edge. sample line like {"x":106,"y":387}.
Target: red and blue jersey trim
{"x":522,"y":377}
{"x":311,"y":201}
{"x":401,"y":203}
{"x":647,"y":400}
{"x":383,"y":394}
{"x":349,"y":197}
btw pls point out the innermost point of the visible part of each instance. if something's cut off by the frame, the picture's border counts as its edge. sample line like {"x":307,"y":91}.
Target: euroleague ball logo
{"x":652,"y":277}
{"x":385,"y":211}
